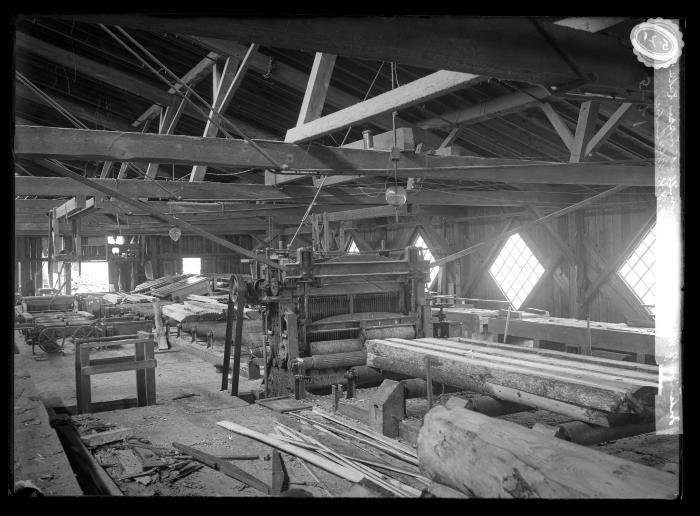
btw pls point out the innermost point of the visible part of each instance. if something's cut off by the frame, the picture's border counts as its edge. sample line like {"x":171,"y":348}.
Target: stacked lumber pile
{"x":590,"y":389}
{"x":221,"y":299}
{"x":124,"y":297}
{"x":193,"y":284}
{"x":57,"y":318}
{"x":213,"y":303}
{"x":187,"y":313}
{"x":159,"y":282}
{"x":113,"y":298}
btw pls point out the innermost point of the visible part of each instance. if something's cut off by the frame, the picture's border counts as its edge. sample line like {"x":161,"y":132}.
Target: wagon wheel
{"x":48,"y":340}
{"x":86,"y":331}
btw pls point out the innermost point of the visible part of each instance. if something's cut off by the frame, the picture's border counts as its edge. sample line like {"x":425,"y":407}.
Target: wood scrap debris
{"x":313,"y":452}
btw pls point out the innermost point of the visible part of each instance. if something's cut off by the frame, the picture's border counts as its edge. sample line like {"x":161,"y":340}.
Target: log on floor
{"x":492,"y":458}
{"x":604,"y":389}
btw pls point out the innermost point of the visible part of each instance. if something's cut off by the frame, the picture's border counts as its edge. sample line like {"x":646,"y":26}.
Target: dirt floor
{"x":190,"y":403}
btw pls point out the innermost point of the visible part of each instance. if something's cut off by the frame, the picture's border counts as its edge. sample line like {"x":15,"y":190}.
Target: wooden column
{"x":574,"y":285}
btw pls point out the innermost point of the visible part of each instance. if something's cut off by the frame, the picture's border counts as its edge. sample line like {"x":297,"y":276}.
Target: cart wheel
{"x":84,"y":332}
{"x":48,"y":340}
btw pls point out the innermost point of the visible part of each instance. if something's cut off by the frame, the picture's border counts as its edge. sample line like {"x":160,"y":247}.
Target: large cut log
{"x":492,"y":458}
{"x":585,"y":390}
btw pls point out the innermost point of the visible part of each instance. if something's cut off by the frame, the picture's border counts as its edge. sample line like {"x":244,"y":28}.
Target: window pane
{"x":517,"y":272}
{"x":638,"y":271}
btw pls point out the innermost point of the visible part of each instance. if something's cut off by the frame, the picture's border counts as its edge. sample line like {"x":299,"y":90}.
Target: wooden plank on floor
{"x":284,"y":404}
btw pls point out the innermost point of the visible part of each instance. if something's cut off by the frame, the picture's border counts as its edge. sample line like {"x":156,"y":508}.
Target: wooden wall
{"x":597,"y":235}
{"x":167,"y":254}
{"x":27,"y":265}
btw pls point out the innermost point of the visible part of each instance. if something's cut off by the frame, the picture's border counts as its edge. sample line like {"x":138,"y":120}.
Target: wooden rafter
{"x":559,"y":125}
{"x":105,"y":145}
{"x":226,"y":87}
{"x":608,"y":128}
{"x":317,"y":88}
{"x":585,"y":128}
{"x":118,"y":79}
{"x":436,"y":84}
{"x":449,"y":40}
{"x":209,"y":190}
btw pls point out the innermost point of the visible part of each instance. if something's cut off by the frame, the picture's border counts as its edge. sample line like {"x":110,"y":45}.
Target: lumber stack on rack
{"x":159,"y":282}
{"x":187,"y":313}
{"x":491,"y":458}
{"x":591,"y":389}
{"x":178,"y":290}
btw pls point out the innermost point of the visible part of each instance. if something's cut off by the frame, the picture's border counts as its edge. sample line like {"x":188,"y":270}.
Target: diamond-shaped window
{"x":352,"y":247}
{"x":516,"y":270}
{"x":427,"y":255}
{"x":638,"y":271}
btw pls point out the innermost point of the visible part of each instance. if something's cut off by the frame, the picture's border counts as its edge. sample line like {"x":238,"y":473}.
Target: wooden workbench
{"x":563,"y":334}
{"x":572,"y":335}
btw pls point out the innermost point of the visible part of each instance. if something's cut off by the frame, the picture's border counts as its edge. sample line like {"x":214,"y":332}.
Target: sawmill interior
{"x":353,"y":257}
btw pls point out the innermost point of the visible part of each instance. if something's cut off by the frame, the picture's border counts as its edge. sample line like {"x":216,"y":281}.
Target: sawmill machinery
{"x":318,"y":311}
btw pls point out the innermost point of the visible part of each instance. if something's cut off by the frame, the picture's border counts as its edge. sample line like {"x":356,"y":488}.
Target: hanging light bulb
{"x":396,"y":195}
{"x":115,"y":251}
{"x":175,"y":233}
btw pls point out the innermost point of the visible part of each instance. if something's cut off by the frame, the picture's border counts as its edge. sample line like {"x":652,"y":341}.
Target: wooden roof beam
{"x":124,"y":81}
{"x":225,"y":88}
{"x":420,"y":90}
{"x":519,"y":101}
{"x":207,"y":190}
{"x":317,"y":88}
{"x":91,"y":145}
{"x":464,"y":44}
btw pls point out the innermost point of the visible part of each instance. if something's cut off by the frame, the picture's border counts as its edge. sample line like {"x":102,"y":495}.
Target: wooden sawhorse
{"x":143,"y":362}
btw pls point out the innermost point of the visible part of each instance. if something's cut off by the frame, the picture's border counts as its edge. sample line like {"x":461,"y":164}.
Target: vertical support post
{"x":227,"y":342}
{"x":336,"y":395}
{"x":352,"y":383}
{"x":67,"y":277}
{"x":573,"y":219}
{"x":240,"y":304}
{"x":428,"y":381}
{"x":150,"y":374}
{"x":505,"y":331}
{"x":84,"y":381}
{"x":141,"y":389}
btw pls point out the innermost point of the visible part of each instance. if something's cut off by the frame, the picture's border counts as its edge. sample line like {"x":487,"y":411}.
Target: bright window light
{"x":638,"y":271}
{"x":352,"y":248}
{"x":119,"y":240}
{"x":427,"y":255}
{"x":111,"y":240}
{"x":516,"y":270}
{"x":93,"y":277}
{"x":191,"y":265}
